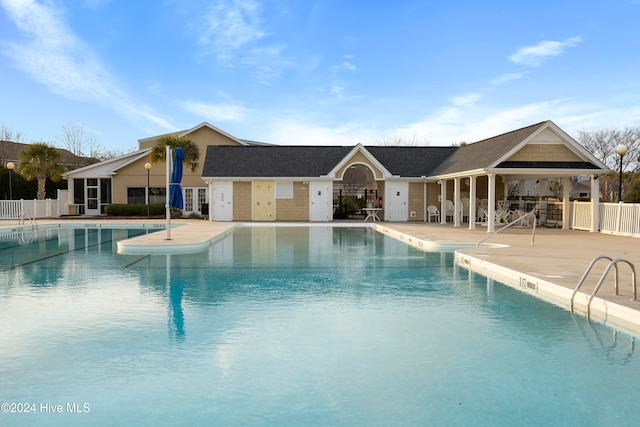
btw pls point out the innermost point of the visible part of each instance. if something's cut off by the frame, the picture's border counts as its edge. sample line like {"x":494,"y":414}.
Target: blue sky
{"x":332,"y":72}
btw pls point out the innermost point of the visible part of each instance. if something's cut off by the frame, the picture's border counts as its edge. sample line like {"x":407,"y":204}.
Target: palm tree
{"x":191,"y":151}
{"x":40,"y":161}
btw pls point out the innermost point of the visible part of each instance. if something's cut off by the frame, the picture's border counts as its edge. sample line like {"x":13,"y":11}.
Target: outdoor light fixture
{"x":621,"y":150}
{"x":11,"y":166}
{"x":147,"y":166}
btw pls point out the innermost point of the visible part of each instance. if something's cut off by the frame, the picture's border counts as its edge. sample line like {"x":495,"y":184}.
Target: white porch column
{"x":595,"y":204}
{"x":443,"y":200}
{"x":457,"y":205}
{"x":472,"y":203}
{"x":566,"y":205}
{"x":491,"y":183}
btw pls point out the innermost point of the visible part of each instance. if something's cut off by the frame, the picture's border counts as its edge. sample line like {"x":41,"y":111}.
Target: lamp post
{"x":11,"y":166}
{"x":147,"y":166}
{"x":621,"y":150}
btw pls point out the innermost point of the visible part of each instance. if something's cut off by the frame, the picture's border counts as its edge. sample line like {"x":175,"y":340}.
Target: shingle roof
{"x":483,"y":154}
{"x":272,"y":160}
{"x":312,"y":161}
{"x":411,"y":161}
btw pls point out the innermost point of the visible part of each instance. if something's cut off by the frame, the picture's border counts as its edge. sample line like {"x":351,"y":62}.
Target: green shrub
{"x":349,"y":207}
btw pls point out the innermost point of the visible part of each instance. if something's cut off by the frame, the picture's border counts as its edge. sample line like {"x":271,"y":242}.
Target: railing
{"x":25,"y":215}
{"x":586,"y":273}
{"x":581,"y":216}
{"x":604,"y":275}
{"x":621,"y":219}
{"x":49,"y":208}
{"x":612,"y":263}
{"x":515,"y":221}
{"x":10,"y":209}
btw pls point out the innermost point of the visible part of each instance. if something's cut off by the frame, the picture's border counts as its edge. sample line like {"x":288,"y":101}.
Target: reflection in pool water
{"x":303,"y":326}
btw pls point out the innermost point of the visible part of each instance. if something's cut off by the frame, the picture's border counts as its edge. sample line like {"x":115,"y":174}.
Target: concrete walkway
{"x":559,"y":256}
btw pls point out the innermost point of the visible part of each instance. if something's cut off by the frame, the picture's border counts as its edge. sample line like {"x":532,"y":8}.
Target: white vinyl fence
{"x":621,"y":219}
{"x":50,"y":208}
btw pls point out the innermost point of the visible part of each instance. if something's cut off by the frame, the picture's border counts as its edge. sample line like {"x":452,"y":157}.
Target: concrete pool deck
{"x":550,"y":269}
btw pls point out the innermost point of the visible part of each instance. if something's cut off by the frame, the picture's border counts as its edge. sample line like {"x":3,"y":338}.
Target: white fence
{"x":621,"y":219}
{"x":50,"y":208}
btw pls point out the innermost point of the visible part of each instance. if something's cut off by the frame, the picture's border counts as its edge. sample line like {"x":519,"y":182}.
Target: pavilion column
{"x":472,"y":202}
{"x":491,"y":184}
{"x":443,"y":201}
{"x":456,"y":202}
{"x":566,"y":204}
{"x":595,"y":204}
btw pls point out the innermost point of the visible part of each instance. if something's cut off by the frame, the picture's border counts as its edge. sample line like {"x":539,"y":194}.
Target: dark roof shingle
{"x":483,"y":154}
{"x":271,"y":160}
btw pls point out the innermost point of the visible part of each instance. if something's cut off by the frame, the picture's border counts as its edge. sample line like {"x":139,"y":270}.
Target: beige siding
{"x":359,"y":158}
{"x":202,"y":137}
{"x":416,"y":200}
{"x":242,"y":201}
{"x":545,"y":153}
{"x":296,"y":209}
{"x":135,"y":175}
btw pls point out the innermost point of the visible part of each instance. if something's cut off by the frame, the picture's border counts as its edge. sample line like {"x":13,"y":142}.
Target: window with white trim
{"x":284,"y":190}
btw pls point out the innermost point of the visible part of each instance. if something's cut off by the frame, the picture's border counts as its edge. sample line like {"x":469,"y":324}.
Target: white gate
{"x":320,"y":201}
{"x":221,"y":208}
{"x":396,"y":201}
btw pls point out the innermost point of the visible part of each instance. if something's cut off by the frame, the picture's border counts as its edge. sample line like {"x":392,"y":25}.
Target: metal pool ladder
{"x":515,"y":221}
{"x":29,"y":217}
{"x":612,"y":263}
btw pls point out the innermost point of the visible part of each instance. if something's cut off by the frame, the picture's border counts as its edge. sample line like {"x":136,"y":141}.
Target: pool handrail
{"x":586,"y":273}
{"x":32,"y":219}
{"x":515,"y":221}
{"x":604,"y":275}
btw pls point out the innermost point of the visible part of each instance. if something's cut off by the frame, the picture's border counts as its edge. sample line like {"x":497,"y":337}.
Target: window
{"x":157,"y":195}
{"x":136,"y":196}
{"x":105,"y":191}
{"x":202,"y":198}
{"x":284,"y":190}
{"x":78,"y":191}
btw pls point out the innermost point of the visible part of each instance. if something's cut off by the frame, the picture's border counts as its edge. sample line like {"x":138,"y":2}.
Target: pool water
{"x":292,"y":326}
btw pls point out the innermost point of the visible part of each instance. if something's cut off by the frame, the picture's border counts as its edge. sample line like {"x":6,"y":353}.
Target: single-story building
{"x":240,"y":180}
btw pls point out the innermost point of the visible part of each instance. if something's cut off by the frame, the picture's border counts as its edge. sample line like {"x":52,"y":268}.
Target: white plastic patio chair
{"x":432,"y":211}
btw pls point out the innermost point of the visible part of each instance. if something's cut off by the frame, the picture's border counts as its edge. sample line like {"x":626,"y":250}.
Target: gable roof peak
{"x":531,"y":128}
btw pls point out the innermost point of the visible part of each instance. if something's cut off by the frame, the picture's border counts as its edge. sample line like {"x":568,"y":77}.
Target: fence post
{"x":618,"y":217}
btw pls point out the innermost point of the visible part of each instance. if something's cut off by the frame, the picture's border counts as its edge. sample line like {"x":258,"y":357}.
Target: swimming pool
{"x":292,"y":326}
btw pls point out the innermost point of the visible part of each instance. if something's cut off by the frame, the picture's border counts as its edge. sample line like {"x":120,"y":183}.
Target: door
{"x":396,"y":203}
{"x":320,"y":201}
{"x":92,"y":197}
{"x":222,"y":201}
{"x":264,"y":196}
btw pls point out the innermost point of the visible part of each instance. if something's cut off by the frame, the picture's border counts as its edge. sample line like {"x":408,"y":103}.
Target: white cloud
{"x":216,"y":113}
{"x":302,"y":131}
{"x":231,"y":25}
{"x":534,"y":56}
{"x":349,"y":66}
{"x":232,"y":30}
{"x":467,"y":99}
{"x":504,"y":78}
{"x":54,"y":57}
{"x":455,"y":124}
